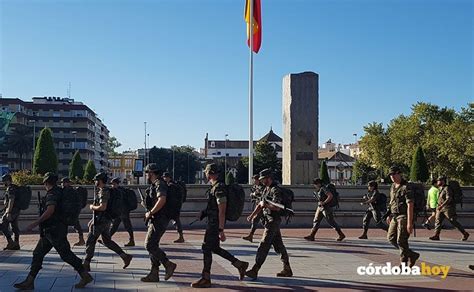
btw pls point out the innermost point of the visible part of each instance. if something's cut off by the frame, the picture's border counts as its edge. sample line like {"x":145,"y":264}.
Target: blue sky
{"x":182,"y":65}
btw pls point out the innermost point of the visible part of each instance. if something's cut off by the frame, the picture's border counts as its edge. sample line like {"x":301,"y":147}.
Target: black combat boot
{"x":413,"y":258}
{"x":252,"y":273}
{"x":435,"y":237}
{"x":130,"y":243}
{"x":364,"y":234}
{"x":310,"y":237}
{"x":341,"y":235}
{"x":471,"y":267}
{"x":465,"y":236}
{"x":248,"y":237}
{"x":87,"y":266}
{"x":10,"y":245}
{"x":28,"y":284}
{"x":180,"y":238}
{"x":127,"y":258}
{"x":169,"y":269}
{"x":286,"y":272}
{"x":153,"y":276}
{"x":81,"y":241}
{"x":204,"y":282}
{"x":242,"y":267}
{"x":86,"y":278}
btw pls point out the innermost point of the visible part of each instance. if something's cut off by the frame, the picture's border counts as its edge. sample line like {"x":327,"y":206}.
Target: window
{"x":128,"y":163}
{"x":213,"y":144}
{"x":240,"y":154}
{"x":227,"y":154}
{"x":218,"y":153}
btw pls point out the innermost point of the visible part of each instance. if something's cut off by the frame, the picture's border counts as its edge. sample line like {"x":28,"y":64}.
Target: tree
{"x":19,"y":141}
{"x":419,"y":169}
{"x":362,"y":172}
{"x":242,"y":175}
{"x":376,"y":147}
{"x":76,"y":167}
{"x":110,"y":146}
{"x":229,"y":178}
{"x":45,"y":159}
{"x":323,"y":173}
{"x":265,"y":157}
{"x":90,"y":171}
{"x":186,"y":163}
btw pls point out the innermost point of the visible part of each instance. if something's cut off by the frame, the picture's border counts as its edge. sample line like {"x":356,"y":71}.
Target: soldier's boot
{"x":413,"y":258}
{"x":169,"y":269}
{"x":27,"y":284}
{"x":153,"y":276}
{"x":81,"y":241}
{"x":403,"y":260}
{"x":10,"y":245}
{"x":204,"y":282}
{"x":252,"y":273}
{"x":341,"y":235}
{"x":242,"y":267}
{"x":286,"y":272}
{"x":180,"y":238}
{"x":87,"y":266}
{"x":471,"y":267}
{"x":16,"y":246}
{"x":131,"y":242}
{"x":86,"y":278}
{"x":465,"y":236}
{"x":364,"y":234}
{"x":426,"y":225}
{"x":435,"y":237}
{"x":127,"y":259}
{"x":310,"y":237}
{"x":248,"y":237}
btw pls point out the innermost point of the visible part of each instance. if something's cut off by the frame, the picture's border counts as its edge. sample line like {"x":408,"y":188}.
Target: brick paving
{"x":320,"y":265}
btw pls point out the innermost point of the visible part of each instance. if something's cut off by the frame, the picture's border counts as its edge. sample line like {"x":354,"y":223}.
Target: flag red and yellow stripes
{"x":257,"y":24}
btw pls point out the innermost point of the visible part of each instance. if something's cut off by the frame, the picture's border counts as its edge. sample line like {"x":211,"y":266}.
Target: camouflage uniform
{"x":373,"y":212}
{"x":125,"y":218}
{"x":10,"y":195}
{"x":101,"y":227}
{"x":257,"y":191}
{"x":397,"y":231}
{"x":448,"y":211}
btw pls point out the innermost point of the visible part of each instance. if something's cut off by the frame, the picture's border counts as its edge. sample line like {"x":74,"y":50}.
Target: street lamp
{"x":34,"y":138}
{"x":225,"y":153}
{"x":173,"y":161}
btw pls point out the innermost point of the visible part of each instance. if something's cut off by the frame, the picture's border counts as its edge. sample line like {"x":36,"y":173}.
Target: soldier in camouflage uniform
{"x":11,"y":215}
{"x":157,"y":222}
{"x":124,"y":216}
{"x":446,"y":209}
{"x":66,"y":183}
{"x":176,"y":221}
{"x":255,"y":196}
{"x":324,"y":210}
{"x":100,"y":225}
{"x":215,"y":213}
{"x":53,"y":233}
{"x":271,"y":221}
{"x":374,"y":211}
{"x":400,"y":217}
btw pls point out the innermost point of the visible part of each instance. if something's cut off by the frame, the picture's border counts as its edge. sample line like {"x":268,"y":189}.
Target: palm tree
{"x":19,"y":142}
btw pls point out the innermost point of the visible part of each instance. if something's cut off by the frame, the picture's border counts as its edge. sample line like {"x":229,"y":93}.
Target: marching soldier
{"x":100,"y":225}
{"x":53,"y":233}
{"x":373,"y":199}
{"x":255,"y":196}
{"x":324,"y":210}
{"x":157,"y":223}
{"x":124,"y":217}
{"x":66,"y":183}
{"x":176,"y":221}
{"x":400,"y":217}
{"x":446,"y":209}
{"x":11,"y":215}
{"x":272,"y":220}
{"x":215,"y":213}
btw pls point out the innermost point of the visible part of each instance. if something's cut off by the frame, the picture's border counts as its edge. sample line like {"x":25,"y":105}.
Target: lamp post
{"x":225,"y":153}
{"x":173,"y":161}
{"x":34,"y":138}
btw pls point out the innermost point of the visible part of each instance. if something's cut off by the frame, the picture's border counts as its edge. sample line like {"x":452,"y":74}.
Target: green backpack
{"x":235,"y":202}
{"x":23,"y":197}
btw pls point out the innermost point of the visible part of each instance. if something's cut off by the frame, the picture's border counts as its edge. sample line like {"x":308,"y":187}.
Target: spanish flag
{"x":257,"y":24}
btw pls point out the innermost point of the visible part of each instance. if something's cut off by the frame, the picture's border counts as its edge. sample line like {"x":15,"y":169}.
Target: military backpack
{"x":235,"y":202}
{"x":23,"y":197}
{"x":70,"y":206}
{"x":458,"y":196}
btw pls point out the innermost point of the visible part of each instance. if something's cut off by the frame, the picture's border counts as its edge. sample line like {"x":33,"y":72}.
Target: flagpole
{"x":251,"y":93}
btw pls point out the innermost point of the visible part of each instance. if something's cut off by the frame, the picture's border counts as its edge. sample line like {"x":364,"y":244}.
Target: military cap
{"x":65,"y":180}
{"x":211,"y":168}
{"x":394,"y":170}
{"x":166,"y":174}
{"x":442,"y":178}
{"x":50,"y":177}
{"x":317,"y":181}
{"x":373,"y":184}
{"x":267,"y":172}
{"x":115,"y":180}
{"x":101,"y":176}
{"x":152,"y":167}
{"x":6,"y":177}
{"x":255,"y":176}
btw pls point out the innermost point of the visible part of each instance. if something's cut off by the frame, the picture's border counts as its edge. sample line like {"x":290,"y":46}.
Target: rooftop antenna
{"x":69,"y":90}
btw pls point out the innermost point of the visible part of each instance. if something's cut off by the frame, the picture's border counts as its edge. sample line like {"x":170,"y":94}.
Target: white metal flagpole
{"x":250,"y":33}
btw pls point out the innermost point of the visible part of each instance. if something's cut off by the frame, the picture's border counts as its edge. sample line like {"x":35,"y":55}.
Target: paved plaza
{"x":320,"y":265}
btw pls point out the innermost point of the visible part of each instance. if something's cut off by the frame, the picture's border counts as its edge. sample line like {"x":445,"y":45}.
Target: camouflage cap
{"x":101,"y":176}
{"x":6,"y":177}
{"x":211,"y":168}
{"x":166,"y":174}
{"x":373,"y":184}
{"x":115,"y":180}
{"x":267,"y":172}
{"x":50,"y":177}
{"x":65,"y":180}
{"x":394,"y":170}
{"x":152,"y":167}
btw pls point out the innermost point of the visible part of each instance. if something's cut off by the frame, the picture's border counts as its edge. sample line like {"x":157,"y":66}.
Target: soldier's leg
{"x":329,"y":215}
{"x":94,"y":233}
{"x":154,"y":234}
{"x":378,"y":220}
{"x":438,"y":224}
{"x":268,"y":237}
{"x":392,"y":233}
{"x":61,"y":245}
{"x":402,"y":240}
{"x":179,"y":228}
{"x":452,"y":217}
{"x":15,"y":228}
{"x":281,"y":249}
{"x":365,"y":224}
{"x":4,"y":227}
{"x":253,"y":227}
{"x":115,"y":225}
{"x":318,"y":217}
{"x":127,"y":223}
{"x":107,"y":240}
{"x":211,"y":241}
{"x":41,"y":250}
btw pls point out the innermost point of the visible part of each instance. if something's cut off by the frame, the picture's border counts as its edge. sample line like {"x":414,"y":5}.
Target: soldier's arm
{"x":277,"y":198}
{"x":102,"y":203}
{"x":11,"y":201}
{"x":221,"y":198}
{"x":328,"y":199}
{"x":159,"y":204}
